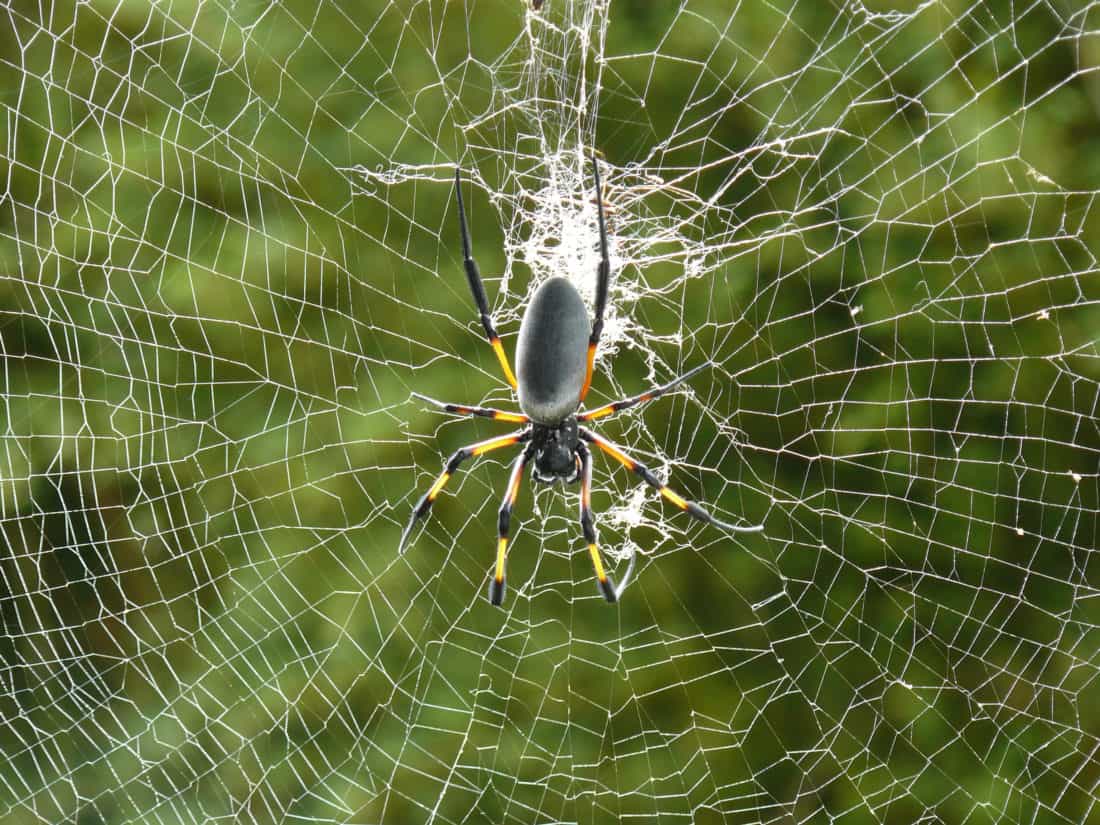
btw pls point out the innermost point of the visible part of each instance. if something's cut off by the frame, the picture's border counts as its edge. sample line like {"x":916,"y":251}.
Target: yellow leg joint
{"x":502,"y":547}
{"x":616,"y":454}
{"x":588,"y":370}
{"x":494,"y":444}
{"x":599,"y":413}
{"x":498,"y":348}
{"x":439,"y":482}
{"x":675,"y":499}
{"x":597,"y":563}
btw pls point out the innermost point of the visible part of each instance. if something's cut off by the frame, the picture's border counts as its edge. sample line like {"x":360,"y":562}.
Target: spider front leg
{"x":478,"y":289}
{"x":482,"y":447}
{"x":496,"y":586}
{"x":689,"y":507}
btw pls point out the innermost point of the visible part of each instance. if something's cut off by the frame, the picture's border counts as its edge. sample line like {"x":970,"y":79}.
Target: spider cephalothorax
{"x":554,"y":359}
{"x":555,"y":450}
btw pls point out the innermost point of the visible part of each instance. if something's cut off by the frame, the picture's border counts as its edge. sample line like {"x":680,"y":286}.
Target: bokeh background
{"x":229,"y":253}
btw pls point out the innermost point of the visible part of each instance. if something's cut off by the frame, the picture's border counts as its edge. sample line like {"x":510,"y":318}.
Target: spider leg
{"x":605,"y":582}
{"x":603,"y":278}
{"x":496,"y":586}
{"x":649,"y":395}
{"x":482,"y":447}
{"x":478,"y":289}
{"x":689,"y":507}
{"x":484,"y":412}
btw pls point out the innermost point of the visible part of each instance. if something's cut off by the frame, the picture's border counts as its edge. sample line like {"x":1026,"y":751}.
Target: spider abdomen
{"x":551,"y":356}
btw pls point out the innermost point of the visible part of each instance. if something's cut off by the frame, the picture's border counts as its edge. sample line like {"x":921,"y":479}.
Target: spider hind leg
{"x":496,"y":584}
{"x":604,"y":581}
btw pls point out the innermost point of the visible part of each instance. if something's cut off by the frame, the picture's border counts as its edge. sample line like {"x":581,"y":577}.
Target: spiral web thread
{"x":230,"y":255}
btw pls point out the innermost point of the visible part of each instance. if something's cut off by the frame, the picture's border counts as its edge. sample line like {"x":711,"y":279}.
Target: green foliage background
{"x":211,"y":321}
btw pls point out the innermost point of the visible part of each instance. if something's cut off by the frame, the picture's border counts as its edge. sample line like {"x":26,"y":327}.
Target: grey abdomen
{"x":552,"y":354}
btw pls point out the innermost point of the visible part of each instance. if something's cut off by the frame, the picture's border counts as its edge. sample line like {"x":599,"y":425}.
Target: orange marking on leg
{"x":595,"y":553}
{"x":498,"y":348}
{"x":515,"y":418}
{"x":514,"y":492}
{"x":494,"y":444}
{"x":439,"y":482}
{"x":598,"y":413}
{"x":614,"y":452}
{"x":502,"y":547}
{"x":588,"y":370}
{"x":675,"y":499}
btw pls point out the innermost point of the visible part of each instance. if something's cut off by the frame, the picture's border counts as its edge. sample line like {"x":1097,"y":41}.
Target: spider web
{"x":230,"y":255}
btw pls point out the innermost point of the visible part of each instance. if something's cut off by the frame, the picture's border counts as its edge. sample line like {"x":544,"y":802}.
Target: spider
{"x":554,"y":374}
